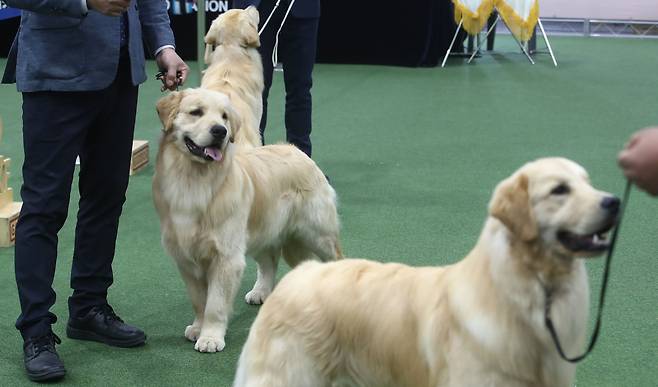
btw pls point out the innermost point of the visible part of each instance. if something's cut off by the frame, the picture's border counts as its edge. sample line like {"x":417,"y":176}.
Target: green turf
{"x":413,"y":155}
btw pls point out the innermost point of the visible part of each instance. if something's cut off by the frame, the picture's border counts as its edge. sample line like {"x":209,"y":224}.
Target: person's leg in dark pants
{"x":267,"y":39}
{"x":297,"y":51}
{"x":54,"y":124}
{"x":104,"y":173}
{"x":103,"y":180}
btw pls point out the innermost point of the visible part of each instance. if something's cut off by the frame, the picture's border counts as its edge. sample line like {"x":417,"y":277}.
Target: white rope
{"x":269,"y":17}
{"x":275,"y":51}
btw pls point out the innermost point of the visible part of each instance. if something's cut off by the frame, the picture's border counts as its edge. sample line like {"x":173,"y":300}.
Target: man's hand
{"x":109,"y":7}
{"x":639,"y":160}
{"x":171,"y":64}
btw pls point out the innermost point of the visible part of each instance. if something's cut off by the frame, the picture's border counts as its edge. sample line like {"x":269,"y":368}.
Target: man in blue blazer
{"x":78,"y":64}
{"x":296,"y":52}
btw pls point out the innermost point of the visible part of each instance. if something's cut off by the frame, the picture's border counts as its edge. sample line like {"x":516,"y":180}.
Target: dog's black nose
{"x":218,"y":131}
{"x":610,"y":203}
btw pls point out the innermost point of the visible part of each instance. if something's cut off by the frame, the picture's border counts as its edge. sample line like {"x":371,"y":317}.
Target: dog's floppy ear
{"x":167,"y":108}
{"x":250,"y":29}
{"x":234,"y":121}
{"x":211,"y":39}
{"x":511,"y":205}
{"x":253,"y":14}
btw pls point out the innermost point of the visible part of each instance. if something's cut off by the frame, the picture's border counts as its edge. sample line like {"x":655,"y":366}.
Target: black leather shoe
{"x":103,"y":325}
{"x":41,"y":360}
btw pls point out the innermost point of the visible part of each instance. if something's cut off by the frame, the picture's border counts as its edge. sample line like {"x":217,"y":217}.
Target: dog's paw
{"x":209,"y":344}
{"x":256,"y":296}
{"x":192,"y":333}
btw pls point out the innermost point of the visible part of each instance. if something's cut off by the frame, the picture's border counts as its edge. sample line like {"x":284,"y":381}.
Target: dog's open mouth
{"x":209,"y":153}
{"x":592,"y":243}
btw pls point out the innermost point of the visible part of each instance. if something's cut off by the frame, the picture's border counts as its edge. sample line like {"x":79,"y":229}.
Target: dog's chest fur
{"x":186,"y":197}
{"x":502,"y":315}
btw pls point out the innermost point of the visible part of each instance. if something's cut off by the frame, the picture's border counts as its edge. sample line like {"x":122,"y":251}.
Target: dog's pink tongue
{"x":215,"y":154}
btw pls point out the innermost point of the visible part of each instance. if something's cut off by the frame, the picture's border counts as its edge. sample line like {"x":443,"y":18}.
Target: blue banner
{"x":184,"y":7}
{"x":8,"y":13}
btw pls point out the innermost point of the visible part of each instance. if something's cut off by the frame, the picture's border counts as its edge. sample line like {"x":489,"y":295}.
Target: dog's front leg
{"x":224,"y":274}
{"x":196,"y":286}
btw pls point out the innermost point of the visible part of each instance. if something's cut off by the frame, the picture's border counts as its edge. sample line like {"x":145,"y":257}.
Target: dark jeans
{"x":58,"y":126}
{"x":296,"y":52}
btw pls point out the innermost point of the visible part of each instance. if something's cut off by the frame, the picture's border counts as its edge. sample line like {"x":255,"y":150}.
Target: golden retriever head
{"x":551,"y":204}
{"x":237,"y":27}
{"x":200,"y":122}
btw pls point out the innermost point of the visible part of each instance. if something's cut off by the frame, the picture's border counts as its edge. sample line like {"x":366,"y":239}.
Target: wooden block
{"x":9,"y":210}
{"x":8,"y":218}
{"x":140,"y":156}
{"x":6,"y":195}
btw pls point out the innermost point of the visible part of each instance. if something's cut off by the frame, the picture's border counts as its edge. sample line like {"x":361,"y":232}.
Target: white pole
{"x":520,"y":45}
{"x":451,"y":43}
{"x":550,"y":50}
{"x":201,"y":34}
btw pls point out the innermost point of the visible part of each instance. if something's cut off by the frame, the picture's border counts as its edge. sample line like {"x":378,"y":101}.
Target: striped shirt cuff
{"x":162,"y":48}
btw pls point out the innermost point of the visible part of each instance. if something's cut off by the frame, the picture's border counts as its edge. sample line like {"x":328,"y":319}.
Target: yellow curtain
{"x":520,"y":16}
{"x":473,"y":13}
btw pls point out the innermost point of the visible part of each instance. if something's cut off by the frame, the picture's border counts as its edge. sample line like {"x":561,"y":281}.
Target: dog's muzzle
{"x":211,"y":152}
{"x":596,"y":241}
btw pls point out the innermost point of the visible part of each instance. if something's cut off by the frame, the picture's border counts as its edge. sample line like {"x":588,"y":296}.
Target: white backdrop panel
{"x":600,"y":9}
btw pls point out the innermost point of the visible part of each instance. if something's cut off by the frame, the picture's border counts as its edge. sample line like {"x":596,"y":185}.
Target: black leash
{"x":604,"y":286}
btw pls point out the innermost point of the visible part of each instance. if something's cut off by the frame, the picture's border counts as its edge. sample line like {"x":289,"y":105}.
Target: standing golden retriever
{"x":217,"y":204}
{"x":479,"y":322}
{"x":236,"y":69}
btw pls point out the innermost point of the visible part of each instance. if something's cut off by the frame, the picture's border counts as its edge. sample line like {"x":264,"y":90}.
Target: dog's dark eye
{"x":196,"y":112}
{"x":561,"y":189}
{"x":224,"y":116}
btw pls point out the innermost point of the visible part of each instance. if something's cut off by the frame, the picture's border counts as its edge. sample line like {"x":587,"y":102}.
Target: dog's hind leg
{"x":224,"y":274}
{"x":299,"y":249}
{"x":320,"y":228}
{"x":196,"y":285}
{"x":295,"y":252}
{"x":267,"y":264}
{"x":327,"y":248}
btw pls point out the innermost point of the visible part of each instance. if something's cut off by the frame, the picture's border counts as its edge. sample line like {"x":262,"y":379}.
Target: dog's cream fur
{"x":236,"y":69}
{"x":479,"y":322}
{"x":262,"y":202}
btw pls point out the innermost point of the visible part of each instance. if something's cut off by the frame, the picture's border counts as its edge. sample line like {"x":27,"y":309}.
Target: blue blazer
{"x":60,"y":48}
{"x":301,"y":8}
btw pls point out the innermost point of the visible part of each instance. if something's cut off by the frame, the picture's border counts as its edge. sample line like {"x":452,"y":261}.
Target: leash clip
{"x":160,"y":76}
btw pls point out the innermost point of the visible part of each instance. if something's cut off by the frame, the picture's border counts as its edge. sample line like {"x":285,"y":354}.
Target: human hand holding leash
{"x":639,"y":160}
{"x":173,"y":68}
{"x":109,"y":7}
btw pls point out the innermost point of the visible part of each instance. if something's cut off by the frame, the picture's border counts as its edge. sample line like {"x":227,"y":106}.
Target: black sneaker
{"x":103,"y":325}
{"x":41,"y":360}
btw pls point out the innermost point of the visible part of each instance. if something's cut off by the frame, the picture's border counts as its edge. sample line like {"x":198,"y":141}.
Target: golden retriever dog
{"x":217,"y":205}
{"x":479,"y":322}
{"x":235,"y":68}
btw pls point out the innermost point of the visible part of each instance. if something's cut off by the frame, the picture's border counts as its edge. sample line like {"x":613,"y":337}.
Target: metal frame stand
{"x":491,"y":29}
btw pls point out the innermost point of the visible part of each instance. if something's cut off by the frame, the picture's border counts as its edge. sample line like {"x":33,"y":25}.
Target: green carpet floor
{"x":414,"y":155}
